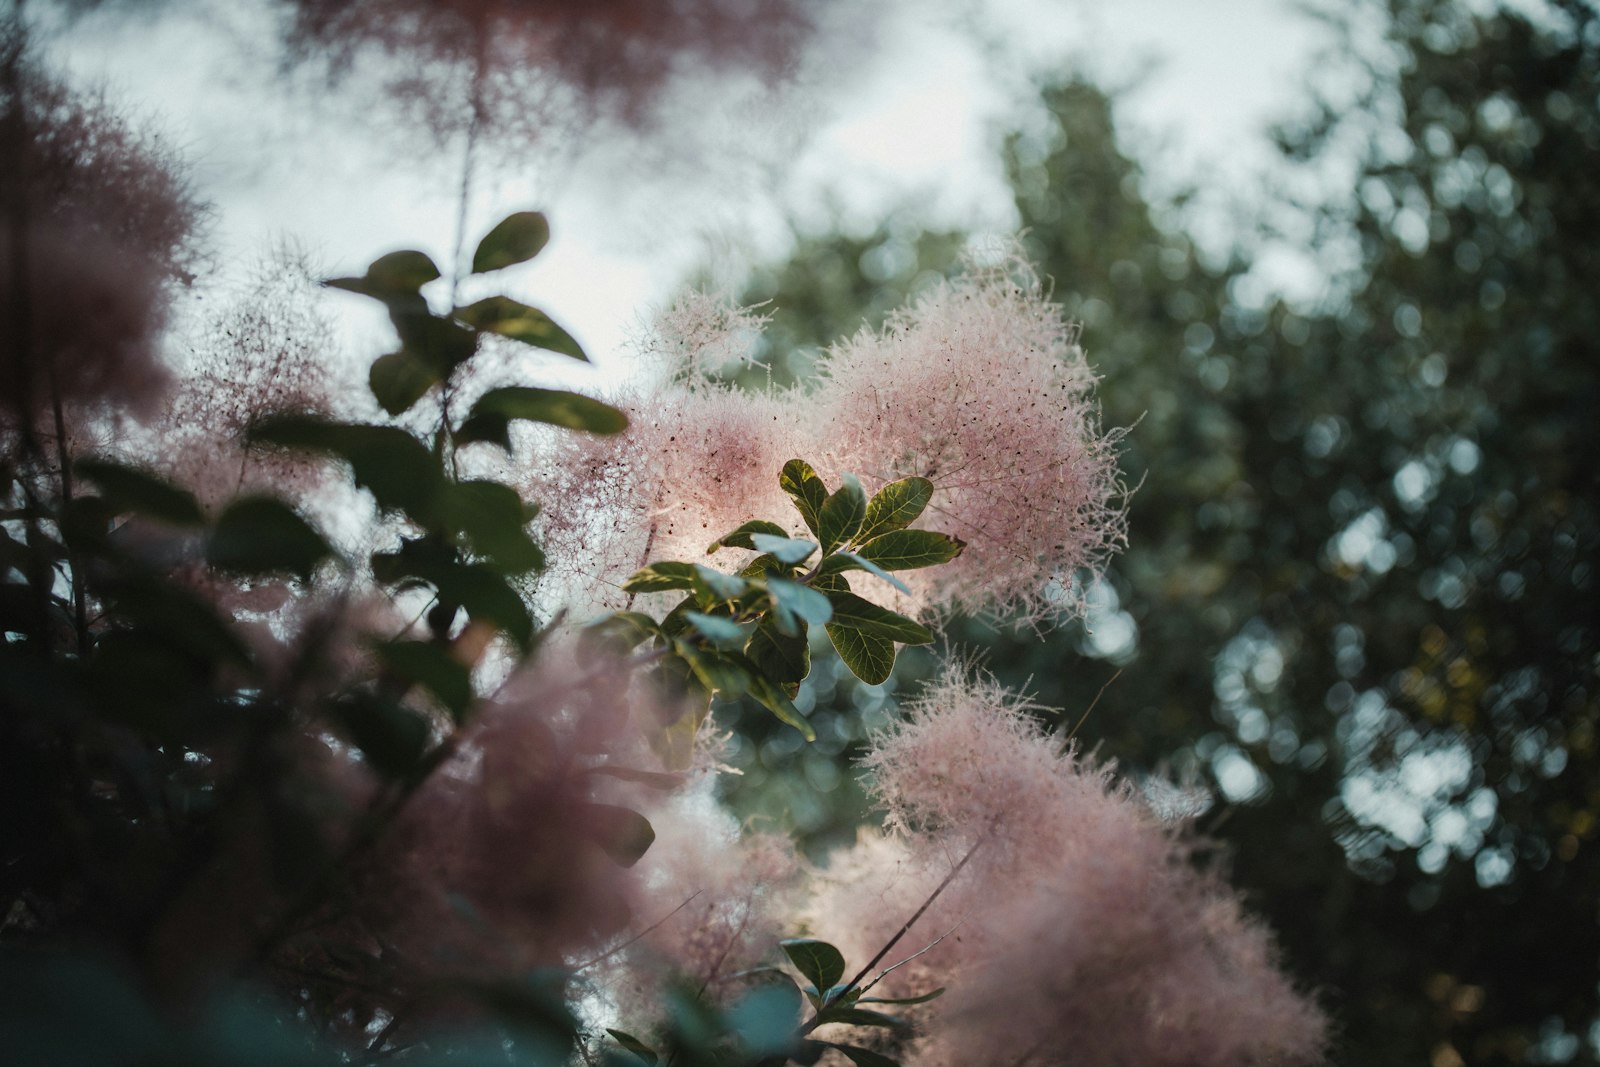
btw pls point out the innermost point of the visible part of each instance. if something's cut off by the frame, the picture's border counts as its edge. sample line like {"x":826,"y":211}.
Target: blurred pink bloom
{"x":1081,"y":932}
{"x":981,"y":388}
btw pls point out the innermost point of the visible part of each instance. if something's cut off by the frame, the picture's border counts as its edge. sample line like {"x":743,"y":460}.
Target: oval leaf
{"x":801,"y":482}
{"x":622,"y":833}
{"x":399,"y":380}
{"x":807,"y":604}
{"x":904,"y":550}
{"x":129,"y":489}
{"x":820,"y":963}
{"x":850,"y":561}
{"x":517,"y":239}
{"x":783,"y":549}
{"x":258,"y":535}
{"x":556,"y":407}
{"x":869,"y":657}
{"x":660,"y":577}
{"x":740,"y":538}
{"x":842,"y":514}
{"x":432,"y":667}
{"x":853,"y":613}
{"x":896,"y":506}
{"x":518,"y":321}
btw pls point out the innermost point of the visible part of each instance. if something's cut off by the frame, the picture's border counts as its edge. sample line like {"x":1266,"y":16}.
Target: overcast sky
{"x":913,"y":117}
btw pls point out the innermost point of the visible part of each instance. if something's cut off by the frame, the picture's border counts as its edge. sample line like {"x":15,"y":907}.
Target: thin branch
{"x":926,"y":948}
{"x":637,"y":937}
{"x":830,"y":1001}
{"x":1066,"y":742}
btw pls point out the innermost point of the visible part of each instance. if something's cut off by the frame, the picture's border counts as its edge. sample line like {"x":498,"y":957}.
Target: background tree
{"x":1365,"y":537}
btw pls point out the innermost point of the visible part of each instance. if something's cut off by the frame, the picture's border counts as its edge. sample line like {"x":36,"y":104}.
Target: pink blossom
{"x":517,"y":63}
{"x":981,"y":388}
{"x":109,"y":224}
{"x":1080,"y":932}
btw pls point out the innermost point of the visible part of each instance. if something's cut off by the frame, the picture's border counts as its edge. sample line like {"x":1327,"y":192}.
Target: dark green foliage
{"x":769,"y":607}
{"x":1365,"y":538}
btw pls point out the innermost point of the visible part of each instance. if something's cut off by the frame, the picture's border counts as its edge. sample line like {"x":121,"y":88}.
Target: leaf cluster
{"x":748,"y":632}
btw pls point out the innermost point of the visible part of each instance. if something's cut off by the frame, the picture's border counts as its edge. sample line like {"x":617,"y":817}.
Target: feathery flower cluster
{"x":505,"y":62}
{"x":980,"y":388}
{"x":1082,"y":932}
{"x":100,"y":222}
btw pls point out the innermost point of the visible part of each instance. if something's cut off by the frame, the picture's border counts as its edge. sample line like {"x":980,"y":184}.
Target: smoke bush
{"x":1080,"y":933}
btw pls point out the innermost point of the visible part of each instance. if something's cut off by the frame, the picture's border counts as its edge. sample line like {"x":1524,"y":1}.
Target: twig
{"x":829,"y":1001}
{"x":637,"y":937}
{"x":926,"y":948}
{"x":1066,"y":742}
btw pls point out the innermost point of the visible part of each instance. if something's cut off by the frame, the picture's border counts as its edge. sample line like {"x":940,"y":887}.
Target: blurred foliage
{"x":1359,"y":599}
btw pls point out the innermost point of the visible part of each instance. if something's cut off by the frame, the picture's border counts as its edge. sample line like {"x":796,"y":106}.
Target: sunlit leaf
{"x":518,"y":321}
{"x":869,"y":657}
{"x":740,"y":538}
{"x":854,"y":613}
{"x":660,"y":577}
{"x":801,"y":482}
{"x":904,"y":550}
{"x":515,"y":239}
{"x":895,"y":506}
{"x":820,"y":963}
{"x":783,"y":549}
{"x":850,"y":561}
{"x":841,"y":514}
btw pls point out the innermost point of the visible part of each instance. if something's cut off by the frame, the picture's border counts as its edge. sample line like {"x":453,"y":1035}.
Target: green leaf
{"x":764,"y":565}
{"x":784,"y":549}
{"x":487,"y":596}
{"x":923,"y":999}
{"x":850,"y":561}
{"x":494,"y":519}
{"x":660,"y":577}
{"x":740,"y":538}
{"x":851,"y":612}
{"x":400,"y":471}
{"x":904,"y":550}
{"x":397,"y":273}
{"x":128,"y":489}
{"x":805,"y":604}
{"x":720,"y":587}
{"x":622,"y":833}
{"x":518,"y":321}
{"x":489,"y":417}
{"x":820,"y":963}
{"x":801,"y":482}
{"x":400,"y":379}
{"x":391,"y":736}
{"x":869,"y":657}
{"x":432,"y":667}
{"x":777,"y":701}
{"x":620,"y":632}
{"x":635,"y":1046}
{"x":727,"y":673}
{"x":718,"y":629}
{"x":783,"y":658}
{"x":258,"y":535}
{"x":841,"y":514}
{"x":895,"y":506}
{"x":863,"y":1057}
{"x":516,"y":239}
{"x":764,"y":1021}
{"x":679,"y":690}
